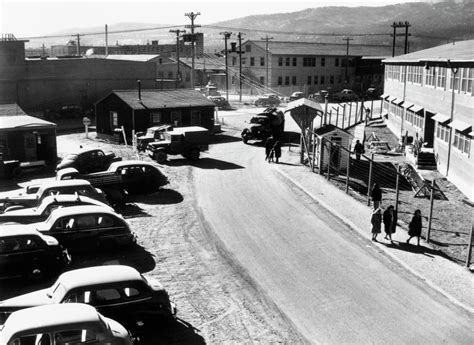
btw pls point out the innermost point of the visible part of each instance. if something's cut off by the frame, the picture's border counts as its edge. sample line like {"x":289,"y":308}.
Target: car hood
{"x":154,"y":283}
{"x":32,"y":299}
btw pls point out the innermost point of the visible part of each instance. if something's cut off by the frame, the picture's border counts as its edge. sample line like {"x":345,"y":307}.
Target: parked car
{"x":88,"y":160}
{"x":62,"y":324}
{"x":185,"y":141}
{"x":268,"y":100}
{"x":116,"y":291}
{"x":296,"y":95}
{"x":81,"y":228}
{"x":221,"y":102}
{"x":26,"y":253}
{"x":20,"y":214}
{"x":345,"y":95}
{"x":29,"y":199}
{"x":151,"y":134}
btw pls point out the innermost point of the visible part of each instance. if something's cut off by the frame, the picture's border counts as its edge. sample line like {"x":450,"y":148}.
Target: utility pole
{"x":239,"y":35}
{"x":347,"y":39}
{"x":178,"y":77}
{"x":267,"y":63}
{"x":396,"y":25}
{"x":192,"y":16}
{"x":78,"y":45}
{"x":226,"y":37}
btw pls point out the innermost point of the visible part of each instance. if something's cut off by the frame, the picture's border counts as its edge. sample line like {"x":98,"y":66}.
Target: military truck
{"x":185,"y":141}
{"x":269,"y":123}
{"x":151,"y":134}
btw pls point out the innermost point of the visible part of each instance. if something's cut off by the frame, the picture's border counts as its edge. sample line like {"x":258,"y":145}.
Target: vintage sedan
{"x":116,"y":291}
{"x":62,"y":324}
{"x":268,"y":100}
{"x":20,"y":214}
{"x":26,"y":253}
{"x":87,"y":160}
{"x":81,"y":228}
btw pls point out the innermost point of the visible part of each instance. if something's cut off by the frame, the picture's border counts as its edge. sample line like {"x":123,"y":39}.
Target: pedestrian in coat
{"x":376,"y":221}
{"x":358,"y":149}
{"x":415,"y":226}
{"x":376,"y":195}
{"x":390,"y":222}
{"x":277,"y":150}
{"x":269,"y":150}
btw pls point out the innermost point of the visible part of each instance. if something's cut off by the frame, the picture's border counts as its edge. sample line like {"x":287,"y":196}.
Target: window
{"x":234,"y":60}
{"x":466,"y":80}
{"x":442,"y":132}
{"x":441,"y":77}
{"x":322,"y":80}
{"x":176,"y":118}
{"x":195,"y":118}
{"x":293,"y":80}
{"x":309,"y":80}
{"x":287,"y":80}
{"x":280,"y":80}
{"x":316,"y":80}
{"x":309,"y":62}
{"x":113,"y":119}
{"x":415,"y":74}
{"x":131,"y":292}
{"x":323,"y":62}
{"x":155,"y":118}
{"x":430,"y":76}
{"x":294,"y":62}
{"x":344,"y":62}
{"x":287,"y":61}
{"x":262,"y":61}
{"x":336,"y":62}
{"x":462,"y":142}
{"x":280,"y":61}
{"x":252,"y":61}
{"x":75,"y":336}
{"x":331,"y":79}
{"x":106,"y":295}
{"x":262,"y":80}
{"x":244,"y":61}
{"x":409,"y":115}
{"x":248,"y":48}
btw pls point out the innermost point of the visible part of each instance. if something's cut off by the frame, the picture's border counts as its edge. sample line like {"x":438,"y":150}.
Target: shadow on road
{"x":413,"y":248}
{"x":171,"y":332}
{"x":224,"y":138}
{"x":131,"y":210}
{"x":162,"y":197}
{"x":206,"y":163}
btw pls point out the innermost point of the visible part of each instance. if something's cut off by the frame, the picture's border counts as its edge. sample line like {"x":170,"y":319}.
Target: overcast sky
{"x":29,"y":18}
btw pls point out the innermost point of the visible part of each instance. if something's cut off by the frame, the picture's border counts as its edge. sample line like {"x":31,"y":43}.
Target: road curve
{"x":335,"y":286}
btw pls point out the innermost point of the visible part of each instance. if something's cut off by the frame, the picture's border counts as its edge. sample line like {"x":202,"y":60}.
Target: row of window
{"x":292,"y":61}
{"x":416,"y":120}
{"x":156,"y":118}
{"x":311,"y":80}
{"x":434,"y":77}
{"x":461,"y":141}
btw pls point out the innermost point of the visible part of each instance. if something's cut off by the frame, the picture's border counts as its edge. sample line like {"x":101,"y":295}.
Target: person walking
{"x":376,"y":195}
{"x":277,"y":150}
{"x":358,"y":149}
{"x":376,"y":221}
{"x":269,"y":150}
{"x":415,"y":226}
{"x":390,"y":222}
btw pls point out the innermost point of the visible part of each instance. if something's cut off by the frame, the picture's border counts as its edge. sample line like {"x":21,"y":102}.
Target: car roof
{"x":81,"y":209}
{"x":18,"y":230}
{"x":98,"y":275}
{"x":47,"y":316}
{"x":83,"y":150}
{"x":63,"y":183}
{"x":117,"y":164}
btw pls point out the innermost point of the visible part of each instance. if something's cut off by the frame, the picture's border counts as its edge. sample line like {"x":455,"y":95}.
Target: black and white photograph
{"x":236,"y":172}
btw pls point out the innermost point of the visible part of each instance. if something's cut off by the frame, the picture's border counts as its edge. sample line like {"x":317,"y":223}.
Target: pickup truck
{"x":121,"y":178}
{"x":185,"y":141}
{"x":88,"y":160}
{"x":151,"y":134}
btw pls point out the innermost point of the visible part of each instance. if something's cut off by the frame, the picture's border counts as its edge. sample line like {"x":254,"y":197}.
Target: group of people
{"x":389,"y":219}
{"x":272,"y":150}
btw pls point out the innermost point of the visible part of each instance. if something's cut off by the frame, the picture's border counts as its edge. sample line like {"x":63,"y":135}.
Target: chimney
{"x":139,"y":90}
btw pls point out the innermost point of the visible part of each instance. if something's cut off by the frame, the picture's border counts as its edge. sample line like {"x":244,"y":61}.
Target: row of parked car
{"x":45,"y":226}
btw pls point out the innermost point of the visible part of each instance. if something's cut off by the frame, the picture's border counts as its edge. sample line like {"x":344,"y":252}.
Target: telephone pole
{"x":178,"y":76}
{"x":347,"y":39}
{"x":239,"y":35}
{"x":226,"y":37}
{"x":192,"y":16}
{"x":78,"y":45}
{"x":396,"y":25}
{"x":266,"y":38}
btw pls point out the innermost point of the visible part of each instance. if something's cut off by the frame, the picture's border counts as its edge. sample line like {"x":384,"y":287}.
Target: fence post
{"x":469,"y":248}
{"x":357,"y":110}
{"x":369,"y":185}
{"x":330,"y":116}
{"x":431,"y":211}
{"x":350,"y":113}
{"x":343,"y":116}
{"x":348,"y":172}
{"x":337,"y":116}
{"x":314,"y":148}
{"x":329,"y":161}
{"x":397,"y":188}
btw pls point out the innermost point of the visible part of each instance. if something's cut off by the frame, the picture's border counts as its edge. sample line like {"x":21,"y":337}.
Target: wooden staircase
{"x":426,"y":161}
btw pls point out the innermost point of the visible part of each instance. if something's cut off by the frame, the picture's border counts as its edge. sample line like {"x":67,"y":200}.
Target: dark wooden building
{"x":137,"y":110}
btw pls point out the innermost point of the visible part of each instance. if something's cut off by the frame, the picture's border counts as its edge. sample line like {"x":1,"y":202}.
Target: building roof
{"x":311,"y":48}
{"x":215,"y":63}
{"x":461,"y":51}
{"x":158,"y":99}
{"x":321,"y":131}
{"x":131,"y":57}
{"x":13,"y":117}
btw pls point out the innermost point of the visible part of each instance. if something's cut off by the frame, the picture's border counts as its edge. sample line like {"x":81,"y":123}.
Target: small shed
{"x":332,"y":143}
{"x":27,"y":139}
{"x":140,"y":109}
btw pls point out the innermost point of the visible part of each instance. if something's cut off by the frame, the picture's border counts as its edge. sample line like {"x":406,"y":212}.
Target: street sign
{"x":86,"y":121}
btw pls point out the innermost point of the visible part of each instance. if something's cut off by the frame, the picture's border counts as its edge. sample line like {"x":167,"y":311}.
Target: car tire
{"x":194,"y":154}
{"x":245,"y":135}
{"x":160,"y":156}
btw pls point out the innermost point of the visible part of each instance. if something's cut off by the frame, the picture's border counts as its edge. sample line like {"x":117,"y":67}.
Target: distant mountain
{"x":431,"y":24}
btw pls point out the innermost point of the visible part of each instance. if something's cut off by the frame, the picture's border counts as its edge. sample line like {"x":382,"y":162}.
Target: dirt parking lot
{"x":216,"y":302}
